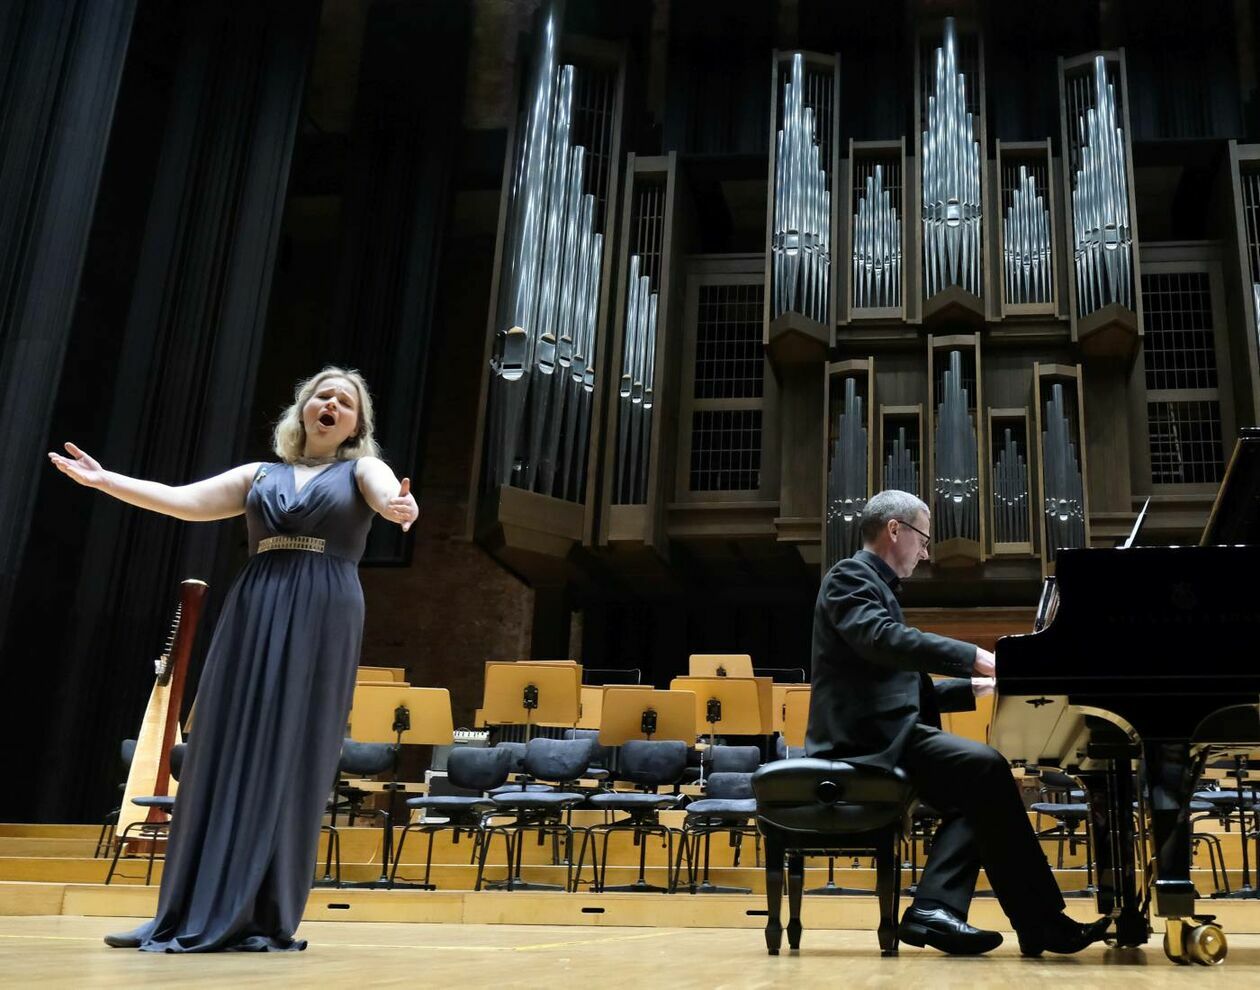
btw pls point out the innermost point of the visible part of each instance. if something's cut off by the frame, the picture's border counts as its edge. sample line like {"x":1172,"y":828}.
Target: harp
{"x":150,"y":772}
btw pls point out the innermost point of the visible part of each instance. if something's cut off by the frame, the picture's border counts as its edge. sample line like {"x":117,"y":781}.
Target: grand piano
{"x":1143,"y":662}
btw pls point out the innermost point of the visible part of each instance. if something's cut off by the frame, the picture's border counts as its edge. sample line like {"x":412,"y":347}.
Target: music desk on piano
{"x":1145,"y":658}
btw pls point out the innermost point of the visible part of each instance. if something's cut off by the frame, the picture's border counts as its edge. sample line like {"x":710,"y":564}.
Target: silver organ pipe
{"x":876,"y":246}
{"x":1065,"y":499}
{"x":542,"y":368}
{"x":846,"y":476}
{"x":1010,"y":493}
{"x":951,"y":179}
{"x":956,"y":487}
{"x":800,"y":242}
{"x":1026,"y":257}
{"x":1102,"y":233}
{"x":900,"y":470}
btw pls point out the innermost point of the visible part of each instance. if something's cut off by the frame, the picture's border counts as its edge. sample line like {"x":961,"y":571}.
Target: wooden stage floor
{"x":67,"y":951}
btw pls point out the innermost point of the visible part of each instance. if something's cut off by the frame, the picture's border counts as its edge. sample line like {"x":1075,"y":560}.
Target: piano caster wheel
{"x":1205,"y":945}
{"x":1191,"y":941}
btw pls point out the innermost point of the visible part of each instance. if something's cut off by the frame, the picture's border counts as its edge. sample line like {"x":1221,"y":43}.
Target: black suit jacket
{"x":870,"y":676}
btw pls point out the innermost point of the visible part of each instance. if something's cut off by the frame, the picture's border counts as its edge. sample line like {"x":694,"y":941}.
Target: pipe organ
{"x":956,"y":481}
{"x":951,"y":175}
{"x":1102,"y":231}
{"x":848,"y":479}
{"x":628,"y":402}
{"x":1063,"y":501}
{"x":800,"y":243}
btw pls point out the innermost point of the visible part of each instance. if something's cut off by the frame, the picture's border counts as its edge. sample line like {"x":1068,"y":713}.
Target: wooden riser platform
{"x":854,"y":912}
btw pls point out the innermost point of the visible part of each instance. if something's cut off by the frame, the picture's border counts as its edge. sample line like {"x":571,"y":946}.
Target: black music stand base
{"x":713,"y":888}
{"x":830,"y":888}
{"x":519,"y":885}
{"x":638,"y":887}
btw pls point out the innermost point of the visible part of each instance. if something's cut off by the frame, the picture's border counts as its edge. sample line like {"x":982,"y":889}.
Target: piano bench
{"x":813,"y":807}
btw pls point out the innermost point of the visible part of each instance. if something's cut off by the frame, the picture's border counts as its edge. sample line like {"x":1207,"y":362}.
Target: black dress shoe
{"x":123,"y":940}
{"x":944,"y":930}
{"x":1062,"y":935}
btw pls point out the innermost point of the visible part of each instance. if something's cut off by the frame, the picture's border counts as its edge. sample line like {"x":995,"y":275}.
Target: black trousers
{"x":983,"y":823}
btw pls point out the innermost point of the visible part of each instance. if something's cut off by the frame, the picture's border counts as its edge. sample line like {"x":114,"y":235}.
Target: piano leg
{"x":1112,"y":832}
{"x":1171,"y":773}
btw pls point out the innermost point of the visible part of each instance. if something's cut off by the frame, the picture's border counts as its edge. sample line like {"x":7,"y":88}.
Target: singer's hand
{"x":402,"y":508}
{"x":982,"y":687}
{"x":80,"y":466}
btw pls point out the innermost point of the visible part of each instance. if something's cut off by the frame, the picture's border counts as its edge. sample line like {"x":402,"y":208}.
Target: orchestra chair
{"x":649,"y":764}
{"x":1063,"y":800}
{"x":154,"y":831}
{"x":704,"y":817}
{"x":105,"y":838}
{"x":601,"y":756}
{"x":471,"y":772}
{"x":923,"y":823}
{"x":516,"y":770}
{"x":1201,"y":811}
{"x":358,"y":760}
{"x":560,"y":762}
{"x":728,"y":806}
{"x":813,"y":807}
{"x":1237,"y":805}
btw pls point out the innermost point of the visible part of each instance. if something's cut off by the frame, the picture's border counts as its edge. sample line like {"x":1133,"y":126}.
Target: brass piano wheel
{"x":1190,"y":941}
{"x":1205,"y":944}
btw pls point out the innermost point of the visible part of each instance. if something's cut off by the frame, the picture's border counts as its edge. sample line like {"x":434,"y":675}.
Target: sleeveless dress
{"x":266,"y":733}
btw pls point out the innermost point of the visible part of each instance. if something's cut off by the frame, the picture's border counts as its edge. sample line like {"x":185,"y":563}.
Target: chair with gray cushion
{"x":558,"y":762}
{"x":649,"y":765}
{"x":105,"y":838}
{"x":728,"y":806}
{"x":358,"y":761}
{"x":813,"y":807}
{"x":154,"y":831}
{"x":601,"y":756}
{"x":1063,"y":801}
{"x":471,"y":772}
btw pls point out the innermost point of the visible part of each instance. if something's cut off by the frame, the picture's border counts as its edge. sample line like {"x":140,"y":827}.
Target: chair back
{"x":652,"y":762}
{"x":601,"y":756}
{"x":517,"y":763}
{"x":830,"y":796}
{"x":726,"y":786}
{"x":127,"y":751}
{"x":734,"y":759}
{"x":475,"y":768}
{"x":362,"y":759}
{"x":177,"y":759}
{"x":559,"y":760}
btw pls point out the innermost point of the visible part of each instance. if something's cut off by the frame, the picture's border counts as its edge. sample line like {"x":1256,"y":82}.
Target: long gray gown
{"x":270,"y":716}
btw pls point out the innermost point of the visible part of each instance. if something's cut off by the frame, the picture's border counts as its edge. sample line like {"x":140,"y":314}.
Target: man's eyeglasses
{"x":925,"y":541}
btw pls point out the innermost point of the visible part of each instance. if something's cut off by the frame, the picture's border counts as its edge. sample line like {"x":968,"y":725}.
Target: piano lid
{"x":1235,"y":516}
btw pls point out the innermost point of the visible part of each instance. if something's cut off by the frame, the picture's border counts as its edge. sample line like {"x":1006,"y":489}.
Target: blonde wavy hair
{"x":289,"y":438}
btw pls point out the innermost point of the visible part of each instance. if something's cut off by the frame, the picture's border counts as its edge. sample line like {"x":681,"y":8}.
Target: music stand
{"x":531,"y":694}
{"x":592,"y":706}
{"x":733,"y":703}
{"x":719,"y":665}
{"x":638,"y":713}
{"x":398,"y":714}
{"x":795,"y":717}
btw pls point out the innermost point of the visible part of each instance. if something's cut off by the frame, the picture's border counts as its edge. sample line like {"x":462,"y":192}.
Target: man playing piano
{"x":874,"y":703}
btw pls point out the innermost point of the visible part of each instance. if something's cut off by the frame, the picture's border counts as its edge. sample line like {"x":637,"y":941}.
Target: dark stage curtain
{"x":61,"y":62}
{"x":181,"y":390}
{"x":404,"y":139}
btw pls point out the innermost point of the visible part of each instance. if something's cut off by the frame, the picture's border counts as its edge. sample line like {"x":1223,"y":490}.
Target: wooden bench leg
{"x":888,"y":884}
{"x":796,"y":885}
{"x":774,"y":897}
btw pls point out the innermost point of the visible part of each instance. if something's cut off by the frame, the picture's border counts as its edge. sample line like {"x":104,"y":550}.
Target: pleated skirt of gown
{"x":264,"y":746}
